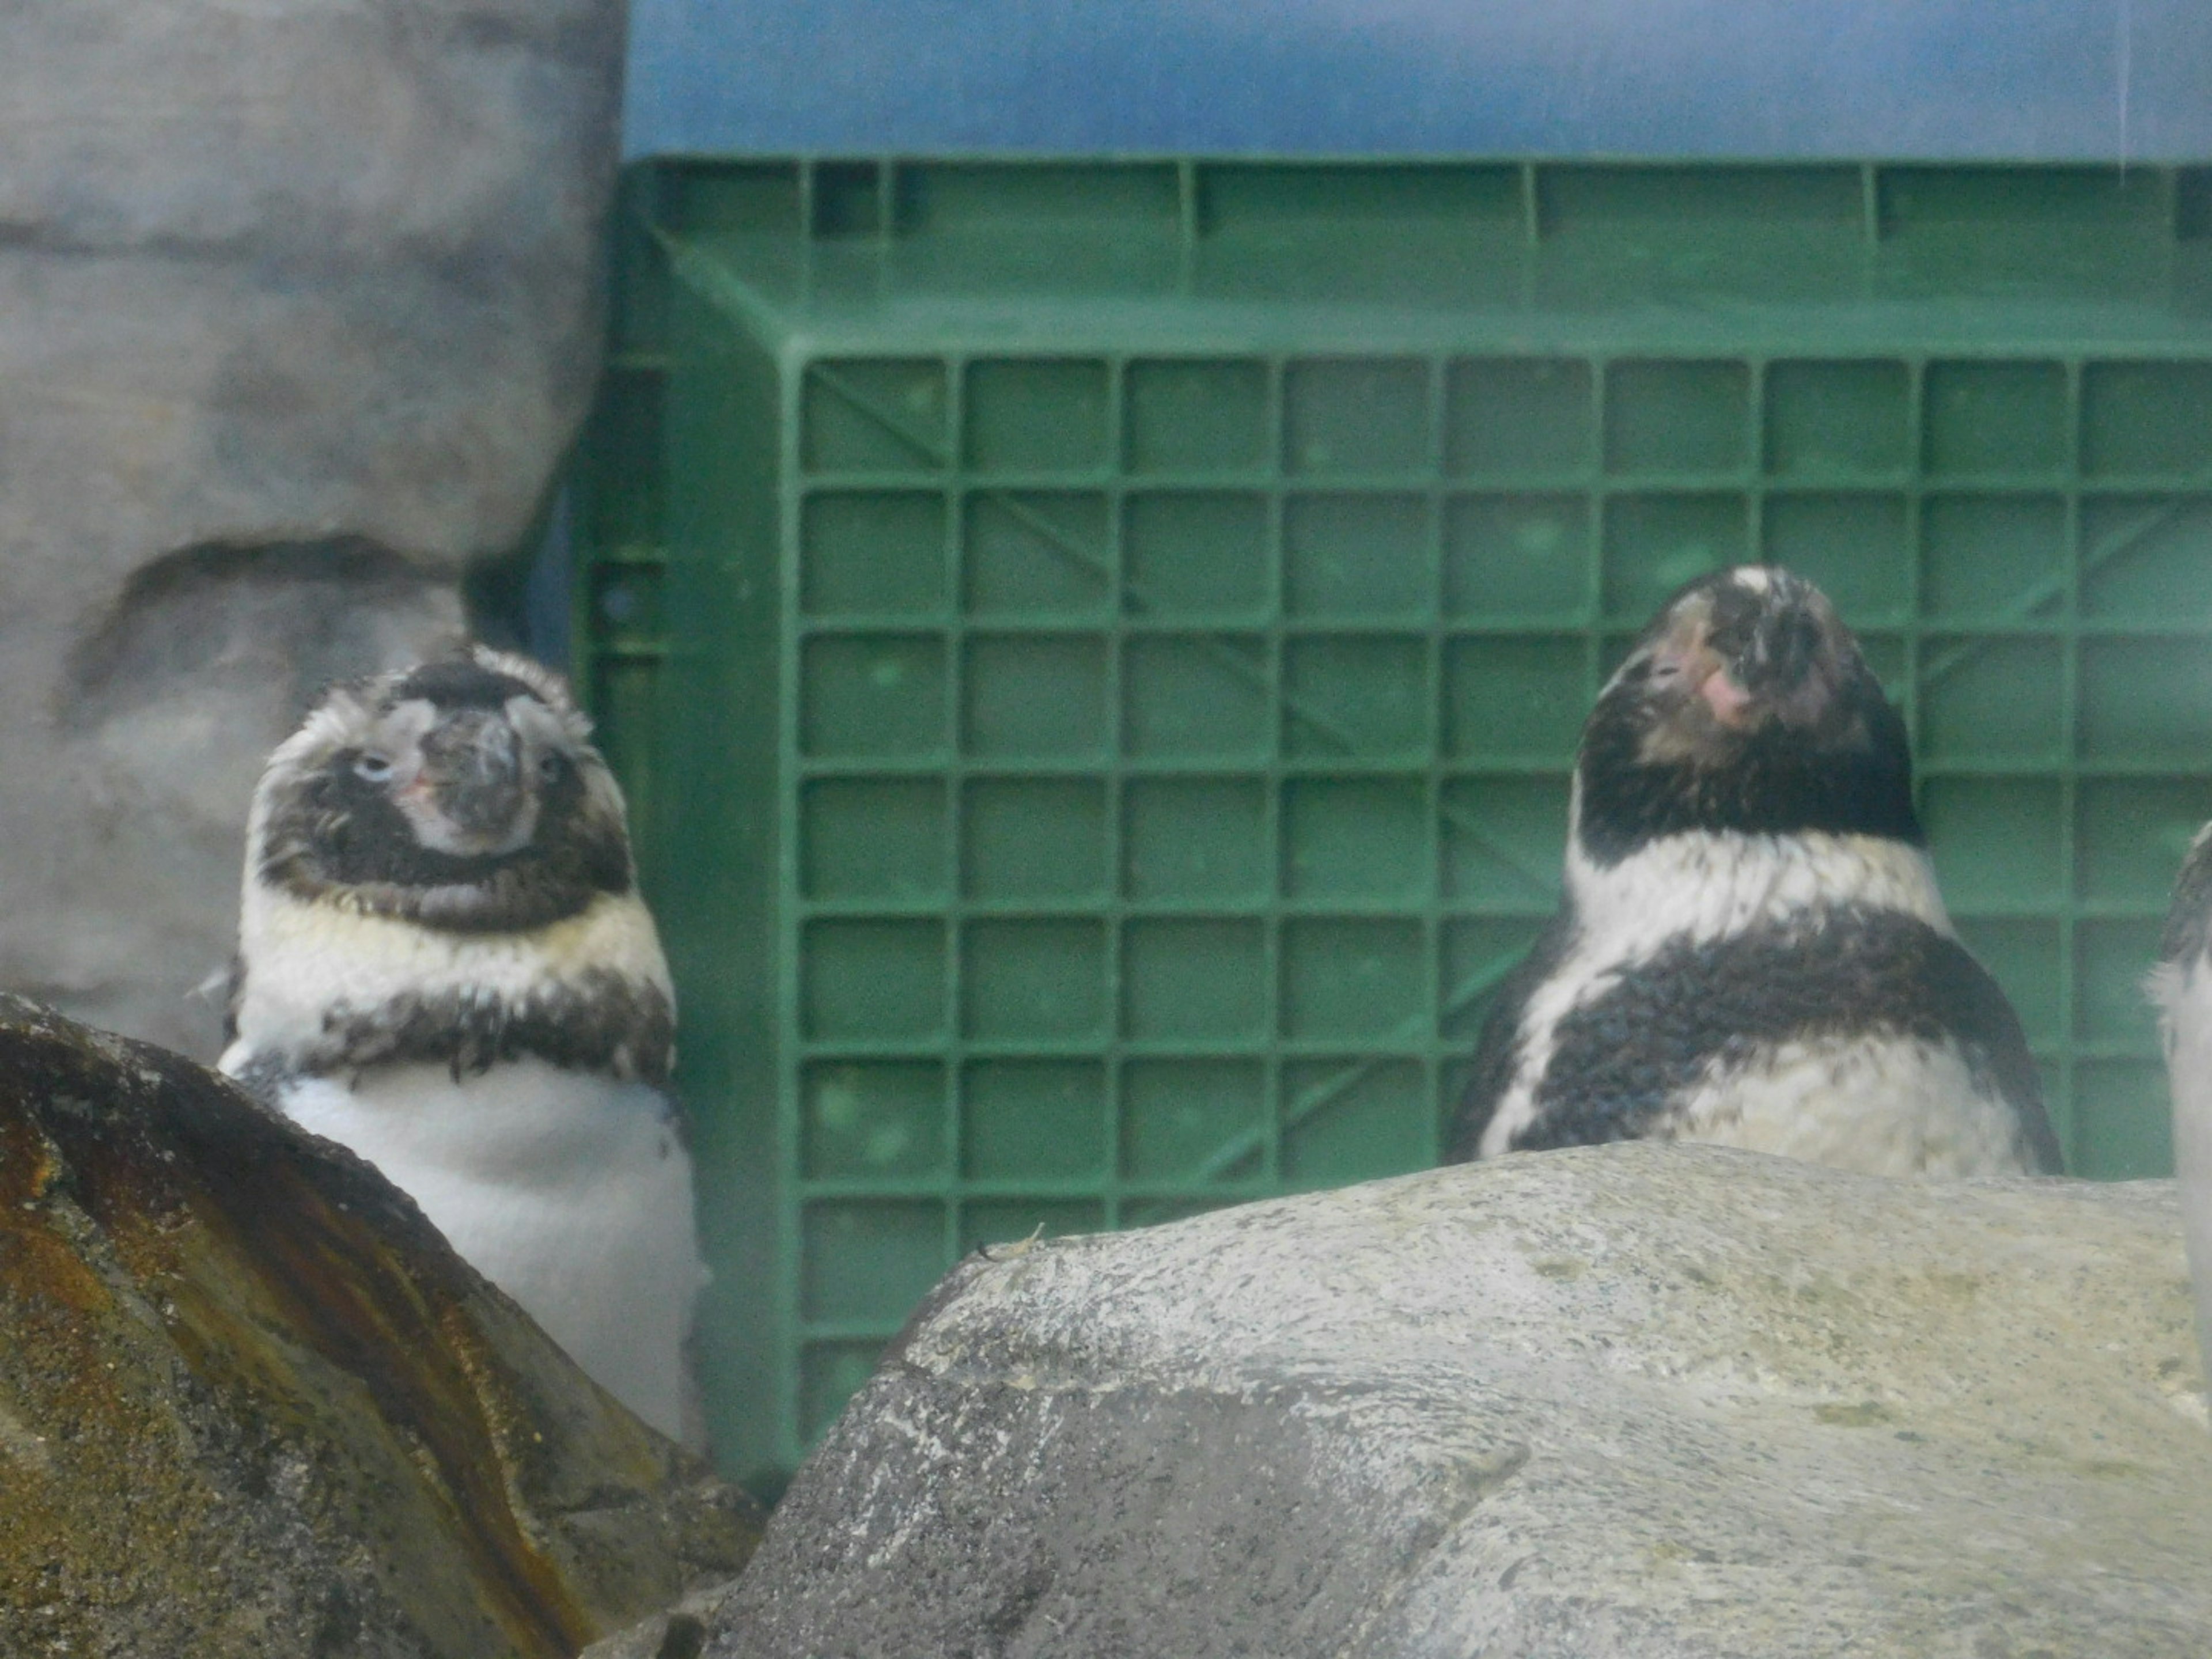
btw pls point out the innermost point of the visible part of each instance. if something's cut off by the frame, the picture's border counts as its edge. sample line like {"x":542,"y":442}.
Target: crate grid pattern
{"x":1005,"y":741}
{"x":1171,"y":742}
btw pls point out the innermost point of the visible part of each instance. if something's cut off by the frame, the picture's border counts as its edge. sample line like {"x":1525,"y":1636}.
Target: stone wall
{"x":299,"y":309}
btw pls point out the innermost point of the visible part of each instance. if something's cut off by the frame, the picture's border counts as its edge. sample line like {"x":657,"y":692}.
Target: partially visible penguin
{"x":1750,"y":949}
{"x":2181,"y":985}
{"x":443,"y":963}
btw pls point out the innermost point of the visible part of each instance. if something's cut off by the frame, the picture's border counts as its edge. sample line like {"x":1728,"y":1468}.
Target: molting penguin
{"x":1750,"y":948}
{"x":2181,"y":985}
{"x":443,"y":963}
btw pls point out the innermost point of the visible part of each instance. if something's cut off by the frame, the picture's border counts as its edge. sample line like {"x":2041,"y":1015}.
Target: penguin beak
{"x":1755,"y":655}
{"x":472,"y":774}
{"x":1790,"y":670}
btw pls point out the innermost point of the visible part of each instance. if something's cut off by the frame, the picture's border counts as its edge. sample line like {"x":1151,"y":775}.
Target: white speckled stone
{"x":1645,"y":1400}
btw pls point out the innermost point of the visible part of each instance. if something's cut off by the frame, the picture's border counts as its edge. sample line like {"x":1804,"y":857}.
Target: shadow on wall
{"x":230,"y":642}
{"x":270,"y":624}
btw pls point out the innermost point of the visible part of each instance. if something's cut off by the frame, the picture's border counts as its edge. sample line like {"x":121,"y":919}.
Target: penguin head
{"x":1736,"y":653}
{"x":463,"y":793}
{"x":1745,"y":706}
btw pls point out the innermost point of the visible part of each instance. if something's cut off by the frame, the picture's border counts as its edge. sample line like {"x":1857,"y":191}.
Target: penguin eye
{"x":373,"y":767}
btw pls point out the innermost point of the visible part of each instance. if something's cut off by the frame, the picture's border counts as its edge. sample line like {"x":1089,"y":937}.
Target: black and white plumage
{"x":444,"y":964}
{"x":2181,"y":985}
{"x":1751,"y":948}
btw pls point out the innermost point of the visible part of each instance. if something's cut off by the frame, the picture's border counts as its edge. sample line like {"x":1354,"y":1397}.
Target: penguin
{"x":2181,"y":988}
{"x":1750,"y":948}
{"x":444,"y":964}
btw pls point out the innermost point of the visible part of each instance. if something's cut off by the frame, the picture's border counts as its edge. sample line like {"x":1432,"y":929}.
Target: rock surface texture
{"x":298,"y":310}
{"x":1649,"y":1400}
{"x":676,"y":1632}
{"x":251,"y":1403}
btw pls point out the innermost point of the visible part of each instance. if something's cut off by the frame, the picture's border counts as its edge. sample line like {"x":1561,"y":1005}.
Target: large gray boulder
{"x":299,"y":307}
{"x":1638,"y":1399}
{"x":251,"y":1404}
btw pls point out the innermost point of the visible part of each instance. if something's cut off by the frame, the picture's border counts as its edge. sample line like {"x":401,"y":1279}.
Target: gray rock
{"x":251,"y":1403}
{"x":676,"y":1632}
{"x":1641,"y":1400}
{"x":298,"y":306}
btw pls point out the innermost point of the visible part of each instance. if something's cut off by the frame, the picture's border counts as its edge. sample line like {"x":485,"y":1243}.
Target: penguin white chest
{"x":572,"y":1191}
{"x":1880,"y":1105}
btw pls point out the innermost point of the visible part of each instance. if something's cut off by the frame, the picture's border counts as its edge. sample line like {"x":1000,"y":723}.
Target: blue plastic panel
{"x":2090,"y":79}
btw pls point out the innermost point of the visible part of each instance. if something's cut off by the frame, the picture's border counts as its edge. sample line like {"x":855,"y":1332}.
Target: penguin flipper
{"x":1496,"y":1052}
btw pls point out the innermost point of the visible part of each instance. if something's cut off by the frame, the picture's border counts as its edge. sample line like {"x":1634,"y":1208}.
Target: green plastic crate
{"x":1095,"y":648}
